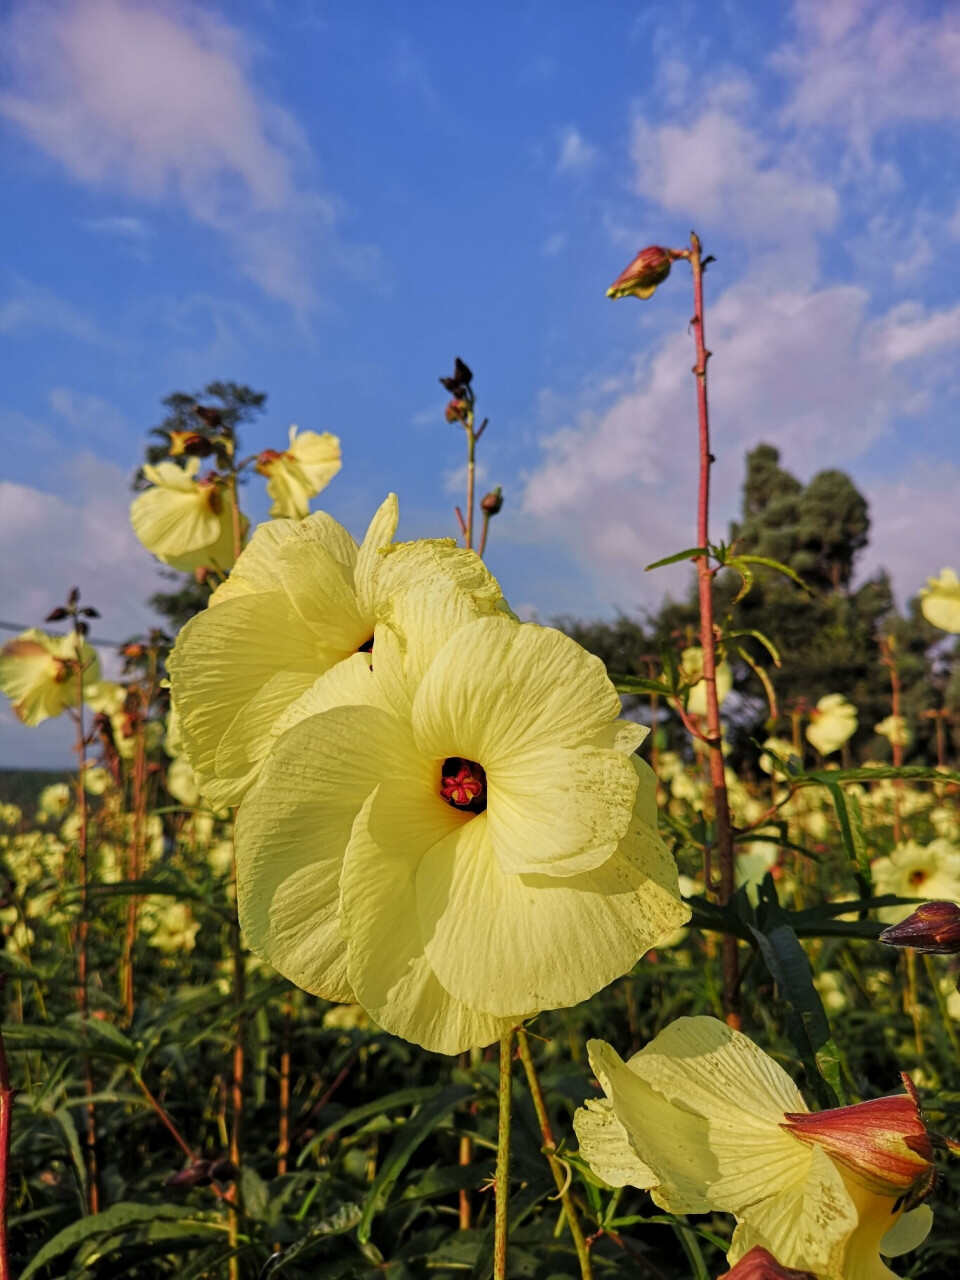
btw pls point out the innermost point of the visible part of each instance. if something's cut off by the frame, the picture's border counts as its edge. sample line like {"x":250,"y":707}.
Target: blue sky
{"x":329,"y":202}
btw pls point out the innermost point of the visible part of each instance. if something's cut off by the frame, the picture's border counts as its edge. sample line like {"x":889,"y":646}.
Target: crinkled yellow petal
{"x":223,"y":657}
{"x":622,"y":735}
{"x":392,"y":976}
{"x":805,"y":1225}
{"x":320,"y":589}
{"x":247,"y":739}
{"x":290,"y":490}
{"x":255,"y":570}
{"x":318,"y":454}
{"x":347,"y":684}
{"x":506,"y":942}
{"x":170,"y":475}
{"x":499,"y":689}
{"x":559,"y":810}
{"x":32,"y":671}
{"x":605,"y":1146}
{"x":292,"y":834}
{"x":379,"y":535}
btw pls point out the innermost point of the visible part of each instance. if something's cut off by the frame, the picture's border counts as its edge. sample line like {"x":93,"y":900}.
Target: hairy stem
{"x":83,"y":930}
{"x":549,"y":1146}
{"x":502,"y":1181}
{"x":724,"y":831}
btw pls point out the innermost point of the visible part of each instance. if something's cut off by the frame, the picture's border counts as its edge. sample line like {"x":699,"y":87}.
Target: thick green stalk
{"x":502,"y":1179}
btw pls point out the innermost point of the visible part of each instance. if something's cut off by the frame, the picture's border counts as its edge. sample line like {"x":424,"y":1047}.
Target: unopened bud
{"x":884,"y":1143}
{"x":758,"y":1264}
{"x":649,"y":268}
{"x":934,"y":928}
{"x":462,"y":377}
{"x":57,"y":614}
{"x":189,"y":443}
{"x":492,"y":502}
{"x":457,"y":411}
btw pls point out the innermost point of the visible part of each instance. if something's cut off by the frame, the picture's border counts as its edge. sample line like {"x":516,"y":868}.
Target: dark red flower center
{"x":463,"y":784}
{"x":366,"y":647}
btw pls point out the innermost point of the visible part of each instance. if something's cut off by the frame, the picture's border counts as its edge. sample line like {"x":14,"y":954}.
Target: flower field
{"x":380,"y":932}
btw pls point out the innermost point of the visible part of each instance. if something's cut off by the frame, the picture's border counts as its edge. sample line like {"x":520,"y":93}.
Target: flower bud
{"x":649,"y":268}
{"x":884,"y":1143}
{"x":758,"y":1264}
{"x":462,"y":377}
{"x":933,"y":928}
{"x":457,"y":411}
{"x":492,"y":502}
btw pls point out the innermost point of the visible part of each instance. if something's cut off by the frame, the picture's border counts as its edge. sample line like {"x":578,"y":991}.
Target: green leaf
{"x":117,"y":1217}
{"x":640,"y":684}
{"x":414,"y":1132}
{"x":691,"y":553}
{"x":778,"y":566}
{"x":402,"y":1098}
{"x":760,"y":638}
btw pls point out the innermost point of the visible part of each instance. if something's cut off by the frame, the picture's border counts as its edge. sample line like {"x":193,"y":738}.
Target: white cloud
{"x":618,"y":480}
{"x":909,"y":331}
{"x":29,"y":309}
{"x":858,"y":66}
{"x":160,"y":102}
{"x":576,"y":154}
{"x":914,"y":523}
{"x":121,"y":226}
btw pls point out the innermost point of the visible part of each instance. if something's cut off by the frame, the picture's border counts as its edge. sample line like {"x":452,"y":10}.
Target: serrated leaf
{"x":691,"y":553}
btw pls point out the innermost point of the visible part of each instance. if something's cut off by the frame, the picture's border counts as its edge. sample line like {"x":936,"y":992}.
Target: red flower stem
{"x":6,"y":1110}
{"x":724,"y":832}
{"x":83,"y":929}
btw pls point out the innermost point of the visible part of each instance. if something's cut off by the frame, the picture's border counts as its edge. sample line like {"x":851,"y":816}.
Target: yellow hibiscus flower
{"x":185,"y":522}
{"x":917,"y":871}
{"x":310,"y":462}
{"x":940,"y":601}
{"x":470,"y":842}
{"x":708,"y":1123}
{"x":691,"y":667}
{"x":832,"y":722}
{"x":896,"y":731}
{"x":39,"y":673}
{"x":302,"y":598}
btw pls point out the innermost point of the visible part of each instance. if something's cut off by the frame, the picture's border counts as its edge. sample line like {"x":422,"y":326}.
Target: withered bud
{"x":57,"y":614}
{"x":212,"y":417}
{"x":758,"y":1264}
{"x":190,"y":444}
{"x":462,"y":377}
{"x":89,"y":612}
{"x":73,"y":597}
{"x":649,"y":268}
{"x":492,"y":502}
{"x":456,"y":411}
{"x":934,"y":928}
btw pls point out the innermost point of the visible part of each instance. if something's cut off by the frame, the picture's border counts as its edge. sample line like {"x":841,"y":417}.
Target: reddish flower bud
{"x":884,"y":1143}
{"x":457,"y":411}
{"x":933,"y":928}
{"x":758,"y":1264}
{"x":492,"y":502}
{"x":649,"y":268}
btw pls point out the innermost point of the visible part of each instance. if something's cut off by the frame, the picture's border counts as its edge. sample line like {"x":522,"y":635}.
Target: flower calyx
{"x":884,"y":1143}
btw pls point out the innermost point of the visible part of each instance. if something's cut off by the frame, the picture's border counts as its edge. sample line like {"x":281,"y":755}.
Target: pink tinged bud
{"x":492,"y":501}
{"x":649,"y":268}
{"x":456,"y":411}
{"x":267,"y":461}
{"x":934,"y":928}
{"x":758,"y":1264}
{"x":884,"y":1143}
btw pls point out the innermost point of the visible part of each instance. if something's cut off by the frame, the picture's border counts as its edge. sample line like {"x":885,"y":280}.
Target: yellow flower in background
{"x":169,"y":925}
{"x":691,"y":667}
{"x":309,"y":463}
{"x":55,"y":799}
{"x":917,"y":871}
{"x":782,"y":748}
{"x":709,"y":1123}
{"x":896,"y":730}
{"x":185,"y":522}
{"x":940,"y":601}
{"x":832,"y":722}
{"x":182,"y":782}
{"x":302,"y":598}
{"x":39,"y":673}
{"x":470,"y":842}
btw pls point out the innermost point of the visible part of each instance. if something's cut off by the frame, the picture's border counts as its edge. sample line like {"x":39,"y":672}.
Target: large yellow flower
{"x":471,"y":842}
{"x":940,"y":601}
{"x":309,"y":463}
{"x":832,"y":722}
{"x":185,"y":522}
{"x":917,"y":871}
{"x":708,"y":1123}
{"x":302,"y":598}
{"x":39,"y":673}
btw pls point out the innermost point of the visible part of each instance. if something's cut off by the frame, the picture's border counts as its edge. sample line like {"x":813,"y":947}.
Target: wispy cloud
{"x":28,"y":309}
{"x":576,"y":155}
{"x":124,"y":228}
{"x":160,"y":102}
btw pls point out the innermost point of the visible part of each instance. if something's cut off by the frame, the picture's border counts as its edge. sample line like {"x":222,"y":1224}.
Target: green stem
{"x":471,"y":483}
{"x":502,"y":1179}
{"x":549,"y":1146}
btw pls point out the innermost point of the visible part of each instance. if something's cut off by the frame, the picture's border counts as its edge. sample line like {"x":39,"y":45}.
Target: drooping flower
{"x":41,"y":676}
{"x":832,"y":722}
{"x":469,"y":842}
{"x":302,"y":598}
{"x":707,"y":1122}
{"x":691,"y":668}
{"x":915,"y":870}
{"x":932,"y":928}
{"x":940,"y":601}
{"x":639,"y":279}
{"x":896,"y":731}
{"x":185,"y":522}
{"x":306,"y":466}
